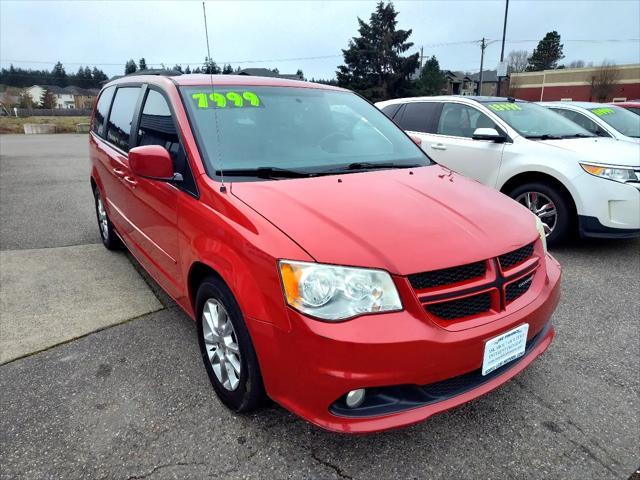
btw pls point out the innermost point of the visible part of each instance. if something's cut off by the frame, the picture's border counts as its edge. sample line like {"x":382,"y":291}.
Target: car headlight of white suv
{"x":611,"y":172}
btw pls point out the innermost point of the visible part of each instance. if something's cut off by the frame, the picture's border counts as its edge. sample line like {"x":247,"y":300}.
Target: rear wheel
{"x":550,"y":205}
{"x":107,"y":233}
{"x":227,"y":351}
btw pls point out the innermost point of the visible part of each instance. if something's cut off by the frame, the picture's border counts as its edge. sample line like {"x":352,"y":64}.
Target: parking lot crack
{"x":163,"y":466}
{"x":326,"y":463}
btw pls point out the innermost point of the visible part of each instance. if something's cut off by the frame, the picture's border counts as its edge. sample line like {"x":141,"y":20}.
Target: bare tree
{"x":576,"y":64}
{"x":604,"y":81}
{"x":517,"y":61}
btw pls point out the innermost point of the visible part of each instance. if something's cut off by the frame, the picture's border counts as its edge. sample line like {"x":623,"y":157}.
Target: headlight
{"x":543,"y":235}
{"x":337,"y":293}
{"x":617,"y":174}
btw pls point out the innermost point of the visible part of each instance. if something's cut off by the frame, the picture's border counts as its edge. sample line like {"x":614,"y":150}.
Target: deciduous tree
{"x":517,"y":61}
{"x":604,"y":81}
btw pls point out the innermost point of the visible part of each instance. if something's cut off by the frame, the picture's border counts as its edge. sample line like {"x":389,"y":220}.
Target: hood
{"x":599,"y":150}
{"x":404,"y":221}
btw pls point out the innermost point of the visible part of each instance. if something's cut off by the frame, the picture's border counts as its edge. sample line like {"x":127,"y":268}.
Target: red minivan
{"x":329,"y":263}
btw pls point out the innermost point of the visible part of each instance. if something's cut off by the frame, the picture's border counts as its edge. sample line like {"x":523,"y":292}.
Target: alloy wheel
{"x":103,"y":220}
{"x":541,"y":206}
{"x":221,"y":344}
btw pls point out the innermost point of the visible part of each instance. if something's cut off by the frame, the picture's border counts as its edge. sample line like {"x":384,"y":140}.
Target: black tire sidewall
{"x":565,"y":218}
{"x":250,"y":391}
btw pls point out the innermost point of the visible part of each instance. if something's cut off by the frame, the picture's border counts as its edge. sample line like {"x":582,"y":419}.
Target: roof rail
{"x":156,"y":71}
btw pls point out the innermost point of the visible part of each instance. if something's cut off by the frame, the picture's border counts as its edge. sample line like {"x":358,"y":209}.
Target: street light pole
{"x":504,"y":34}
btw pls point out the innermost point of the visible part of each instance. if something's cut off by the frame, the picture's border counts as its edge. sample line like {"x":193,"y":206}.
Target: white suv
{"x":564,"y":174}
{"x":600,"y":119}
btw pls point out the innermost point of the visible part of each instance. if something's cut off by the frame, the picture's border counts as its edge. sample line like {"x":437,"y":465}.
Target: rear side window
{"x":459,"y":120}
{"x":391,"y":110}
{"x":119,"y":125}
{"x":419,"y":116}
{"x":102,"y":110}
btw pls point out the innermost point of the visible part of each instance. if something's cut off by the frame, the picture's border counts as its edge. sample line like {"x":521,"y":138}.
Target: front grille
{"x":518,"y":288}
{"x":511,"y":259}
{"x":447,"y":276}
{"x":462,"y":307}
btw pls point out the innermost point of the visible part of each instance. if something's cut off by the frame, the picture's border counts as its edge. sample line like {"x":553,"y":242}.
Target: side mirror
{"x":151,"y":161}
{"x":416,"y":139}
{"x":488,"y":134}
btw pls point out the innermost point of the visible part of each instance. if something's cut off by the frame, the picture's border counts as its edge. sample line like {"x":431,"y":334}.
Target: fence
{"x":51,"y":112}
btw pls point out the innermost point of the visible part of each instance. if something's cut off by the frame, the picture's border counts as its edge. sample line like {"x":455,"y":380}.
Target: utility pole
{"x":421,"y":57}
{"x":504,"y":34}
{"x":483,"y":45}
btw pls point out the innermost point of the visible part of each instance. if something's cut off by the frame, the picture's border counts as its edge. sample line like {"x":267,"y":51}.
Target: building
{"x":64,"y":97}
{"x":265,"y":72}
{"x":574,"y":84}
{"x":457,"y":83}
{"x":490,"y":83}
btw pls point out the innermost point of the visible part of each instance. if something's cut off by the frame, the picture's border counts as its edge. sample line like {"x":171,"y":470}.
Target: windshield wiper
{"x":360,"y":166}
{"x":546,"y":136}
{"x":579,"y":135}
{"x":264,"y":172}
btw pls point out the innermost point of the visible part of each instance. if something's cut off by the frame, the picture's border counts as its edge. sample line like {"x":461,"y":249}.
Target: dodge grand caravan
{"x":327,"y":261}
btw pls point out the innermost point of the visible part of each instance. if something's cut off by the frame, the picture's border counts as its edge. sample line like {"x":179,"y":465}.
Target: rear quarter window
{"x":391,"y":110}
{"x":121,"y":116}
{"x":102,"y":110}
{"x":419,"y":117}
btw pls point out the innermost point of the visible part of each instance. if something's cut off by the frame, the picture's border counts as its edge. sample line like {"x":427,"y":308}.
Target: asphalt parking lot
{"x":101,"y":376}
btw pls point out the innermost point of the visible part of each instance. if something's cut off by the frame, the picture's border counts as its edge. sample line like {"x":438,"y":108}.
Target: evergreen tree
{"x":300,"y":74}
{"x":177,"y":68}
{"x":188,"y":69}
{"x":98,"y":76}
{"x":59,"y":76}
{"x":48,"y":100}
{"x":130,"y":67}
{"x":227,"y":69}
{"x":547,"y":54}
{"x":142,"y":64}
{"x":210,"y":66}
{"x":374,"y":66}
{"x":431,"y":78}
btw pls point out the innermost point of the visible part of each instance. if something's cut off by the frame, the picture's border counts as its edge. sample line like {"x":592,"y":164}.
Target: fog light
{"x":355,"y":398}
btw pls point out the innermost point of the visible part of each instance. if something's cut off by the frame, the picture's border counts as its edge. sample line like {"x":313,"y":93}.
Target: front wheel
{"x":227,"y":351}
{"x":550,"y":205}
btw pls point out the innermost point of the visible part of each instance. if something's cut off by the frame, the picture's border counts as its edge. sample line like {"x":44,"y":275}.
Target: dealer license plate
{"x":504,"y":348}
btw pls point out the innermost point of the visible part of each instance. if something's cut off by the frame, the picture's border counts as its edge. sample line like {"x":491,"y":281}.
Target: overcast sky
{"x":106,"y":34}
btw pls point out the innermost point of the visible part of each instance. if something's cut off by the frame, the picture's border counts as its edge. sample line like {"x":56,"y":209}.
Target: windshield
{"x":282,"y":131}
{"x":536,"y":122}
{"x":622,"y":120}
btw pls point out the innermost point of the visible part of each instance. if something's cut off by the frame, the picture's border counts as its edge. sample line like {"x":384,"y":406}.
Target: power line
{"x":318,"y":57}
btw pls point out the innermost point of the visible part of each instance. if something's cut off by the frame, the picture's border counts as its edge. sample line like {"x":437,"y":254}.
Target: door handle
{"x":118,"y":172}
{"x":438,"y":146}
{"x":130,"y":180}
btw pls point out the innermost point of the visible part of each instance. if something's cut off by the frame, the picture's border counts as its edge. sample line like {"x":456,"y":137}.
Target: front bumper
{"x":607,"y":208}
{"x":311,"y":367}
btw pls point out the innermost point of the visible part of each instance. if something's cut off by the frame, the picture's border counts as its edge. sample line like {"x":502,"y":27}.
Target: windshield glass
{"x":534,"y":121}
{"x":301,"y":129}
{"x":622,"y":120}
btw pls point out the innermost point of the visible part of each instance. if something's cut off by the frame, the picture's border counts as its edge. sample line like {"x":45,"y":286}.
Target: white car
{"x":601,"y":119}
{"x":564,"y":174}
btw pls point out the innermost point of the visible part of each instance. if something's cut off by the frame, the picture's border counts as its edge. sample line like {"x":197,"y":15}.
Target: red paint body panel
{"x":403,"y":221}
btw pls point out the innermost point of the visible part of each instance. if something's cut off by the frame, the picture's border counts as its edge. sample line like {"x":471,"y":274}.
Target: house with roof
{"x":64,"y":97}
{"x":457,"y":83}
{"x":490,"y":83}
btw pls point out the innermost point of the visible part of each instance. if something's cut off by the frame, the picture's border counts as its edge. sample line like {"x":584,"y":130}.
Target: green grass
{"x":63,"y":124}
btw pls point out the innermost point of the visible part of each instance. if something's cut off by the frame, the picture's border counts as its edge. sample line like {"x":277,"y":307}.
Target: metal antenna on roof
{"x":223,"y":188}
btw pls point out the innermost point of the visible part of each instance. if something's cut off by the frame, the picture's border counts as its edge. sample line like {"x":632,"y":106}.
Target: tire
{"x":243,"y":391}
{"x":107,"y":233}
{"x":565,"y":219}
